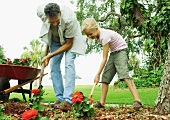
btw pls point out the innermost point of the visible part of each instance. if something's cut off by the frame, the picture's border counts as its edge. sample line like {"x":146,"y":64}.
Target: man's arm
{"x":67,"y":46}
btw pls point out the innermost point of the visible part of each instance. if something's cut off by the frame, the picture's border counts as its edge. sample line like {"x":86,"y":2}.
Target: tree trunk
{"x":162,"y":105}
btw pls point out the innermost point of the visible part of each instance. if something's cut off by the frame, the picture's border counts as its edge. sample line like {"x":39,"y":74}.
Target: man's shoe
{"x":64,"y":106}
{"x":55,"y":104}
{"x":67,"y":104}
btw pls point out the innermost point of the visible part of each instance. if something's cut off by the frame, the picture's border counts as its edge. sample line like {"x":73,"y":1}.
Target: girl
{"x":117,"y":62}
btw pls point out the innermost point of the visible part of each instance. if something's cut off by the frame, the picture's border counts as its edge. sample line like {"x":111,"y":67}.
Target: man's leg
{"x":69,"y":76}
{"x":55,"y":72}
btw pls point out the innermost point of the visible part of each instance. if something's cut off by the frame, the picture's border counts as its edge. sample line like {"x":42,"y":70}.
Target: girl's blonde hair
{"x":89,"y":23}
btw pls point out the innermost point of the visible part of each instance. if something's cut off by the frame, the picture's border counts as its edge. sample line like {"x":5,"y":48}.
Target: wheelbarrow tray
{"x":18,"y":72}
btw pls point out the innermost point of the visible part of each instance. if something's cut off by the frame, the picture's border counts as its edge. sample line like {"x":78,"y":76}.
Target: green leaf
{"x":3,"y":117}
{"x":44,"y":118}
{"x":40,"y":108}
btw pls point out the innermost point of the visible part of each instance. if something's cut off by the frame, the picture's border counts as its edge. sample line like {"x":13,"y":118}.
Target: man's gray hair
{"x":52,"y":10}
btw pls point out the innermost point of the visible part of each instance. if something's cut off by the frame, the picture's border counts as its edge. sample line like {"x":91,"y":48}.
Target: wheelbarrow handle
{"x":20,"y":85}
{"x":42,"y":68}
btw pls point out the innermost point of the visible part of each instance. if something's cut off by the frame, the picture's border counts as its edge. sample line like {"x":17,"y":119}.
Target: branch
{"x":134,"y":36}
{"x":111,"y":13}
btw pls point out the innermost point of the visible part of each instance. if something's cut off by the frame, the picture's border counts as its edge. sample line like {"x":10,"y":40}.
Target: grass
{"x":115,"y":95}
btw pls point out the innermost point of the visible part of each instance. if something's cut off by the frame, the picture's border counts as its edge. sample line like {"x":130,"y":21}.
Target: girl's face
{"x":92,"y":33}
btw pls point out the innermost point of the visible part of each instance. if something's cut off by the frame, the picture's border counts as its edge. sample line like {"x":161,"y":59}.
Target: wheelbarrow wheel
{"x":4,"y":84}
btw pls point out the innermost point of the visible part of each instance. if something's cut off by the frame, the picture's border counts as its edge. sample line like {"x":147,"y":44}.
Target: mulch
{"x":14,"y":109}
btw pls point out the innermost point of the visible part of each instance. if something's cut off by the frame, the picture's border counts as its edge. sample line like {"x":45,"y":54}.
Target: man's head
{"x":90,"y":28}
{"x":53,"y":13}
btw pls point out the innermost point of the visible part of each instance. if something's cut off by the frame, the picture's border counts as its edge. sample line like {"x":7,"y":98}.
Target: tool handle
{"x":42,"y":68}
{"x":92,"y":90}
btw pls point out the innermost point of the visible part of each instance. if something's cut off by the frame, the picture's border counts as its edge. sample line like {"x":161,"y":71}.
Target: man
{"x":61,"y":31}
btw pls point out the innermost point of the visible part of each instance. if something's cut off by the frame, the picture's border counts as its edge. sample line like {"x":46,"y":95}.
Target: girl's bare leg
{"x":132,"y":89}
{"x":104,"y":93}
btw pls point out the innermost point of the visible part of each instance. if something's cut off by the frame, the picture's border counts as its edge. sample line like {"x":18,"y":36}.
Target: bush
{"x":145,"y":78}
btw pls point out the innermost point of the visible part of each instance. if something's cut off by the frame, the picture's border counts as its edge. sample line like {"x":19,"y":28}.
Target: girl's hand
{"x":97,"y":79}
{"x":46,"y":60}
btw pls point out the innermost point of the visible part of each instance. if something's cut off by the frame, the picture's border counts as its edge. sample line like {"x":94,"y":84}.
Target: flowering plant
{"x":36,"y":106}
{"x":16,"y":61}
{"x":36,"y":99}
{"x":82,"y":106}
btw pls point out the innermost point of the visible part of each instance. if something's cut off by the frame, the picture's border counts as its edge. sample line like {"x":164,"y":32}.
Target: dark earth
{"x":14,"y":109}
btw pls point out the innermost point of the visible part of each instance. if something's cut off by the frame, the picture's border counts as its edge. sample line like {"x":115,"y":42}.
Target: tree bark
{"x":162,"y":104}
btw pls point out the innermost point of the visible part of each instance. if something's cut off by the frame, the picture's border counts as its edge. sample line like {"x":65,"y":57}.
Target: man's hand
{"x":46,"y":60}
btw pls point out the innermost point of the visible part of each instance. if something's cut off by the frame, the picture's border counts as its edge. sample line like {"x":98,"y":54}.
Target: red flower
{"x":8,"y":60}
{"x":23,"y":60}
{"x":91,"y":101}
{"x":27,"y":115}
{"x":35,"y":91}
{"x":77,"y":97}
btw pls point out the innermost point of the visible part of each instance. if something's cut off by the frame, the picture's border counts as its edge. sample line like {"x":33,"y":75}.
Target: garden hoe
{"x":42,"y":69}
{"x":92,"y":90}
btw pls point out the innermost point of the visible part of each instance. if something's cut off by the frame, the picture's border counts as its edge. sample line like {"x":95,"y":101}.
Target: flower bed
{"x":17,"y":110}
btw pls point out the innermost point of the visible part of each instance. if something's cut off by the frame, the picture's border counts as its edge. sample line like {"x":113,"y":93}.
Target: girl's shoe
{"x":137,"y":105}
{"x":98,"y":105}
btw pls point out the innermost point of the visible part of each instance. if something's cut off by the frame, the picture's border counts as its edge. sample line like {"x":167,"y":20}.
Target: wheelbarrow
{"x":23,"y":74}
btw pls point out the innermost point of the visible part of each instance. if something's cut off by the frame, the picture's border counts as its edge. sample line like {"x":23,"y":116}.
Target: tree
{"x":105,"y":12}
{"x":154,"y":29}
{"x":162,"y":104}
{"x":146,"y":20}
{"x":35,"y":52}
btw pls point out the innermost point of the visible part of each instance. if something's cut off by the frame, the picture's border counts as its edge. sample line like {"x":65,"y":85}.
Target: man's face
{"x":54,"y":21}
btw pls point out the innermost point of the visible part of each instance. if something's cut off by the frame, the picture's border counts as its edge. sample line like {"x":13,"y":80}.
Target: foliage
{"x":2,"y":116}
{"x":2,"y":53}
{"x":35,"y":52}
{"x":22,"y":62}
{"x":143,"y":23}
{"x":36,"y":99}
{"x":82,"y":106}
{"x":17,"y":61}
{"x":151,"y":20}
{"x":98,"y":10}
{"x":145,"y":78}
{"x":6,"y":61}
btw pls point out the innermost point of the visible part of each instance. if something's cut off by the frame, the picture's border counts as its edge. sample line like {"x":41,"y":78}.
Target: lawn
{"x":115,"y":95}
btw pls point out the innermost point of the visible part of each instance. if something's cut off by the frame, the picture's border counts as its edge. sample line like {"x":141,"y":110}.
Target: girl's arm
{"x":105,"y":55}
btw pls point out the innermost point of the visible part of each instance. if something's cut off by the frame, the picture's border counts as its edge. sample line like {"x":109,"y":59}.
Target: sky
{"x":19,"y":25}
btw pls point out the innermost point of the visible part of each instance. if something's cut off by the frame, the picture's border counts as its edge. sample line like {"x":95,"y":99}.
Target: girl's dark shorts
{"x":117,"y":63}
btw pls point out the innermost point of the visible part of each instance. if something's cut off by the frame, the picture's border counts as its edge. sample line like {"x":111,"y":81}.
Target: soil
{"x":14,"y":109}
